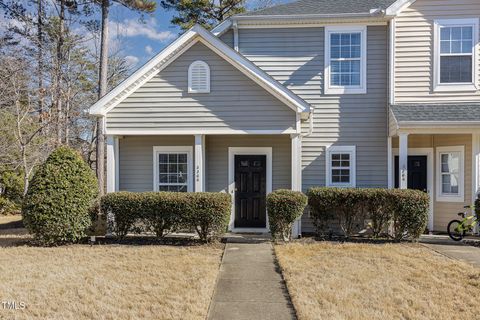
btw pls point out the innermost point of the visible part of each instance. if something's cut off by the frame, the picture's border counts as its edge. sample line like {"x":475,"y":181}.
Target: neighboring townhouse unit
{"x":347,"y":93}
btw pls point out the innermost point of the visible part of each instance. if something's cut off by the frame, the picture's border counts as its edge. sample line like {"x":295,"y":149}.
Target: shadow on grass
{"x":14,"y":237}
{"x":351,"y":239}
{"x":10,"y":222}
{"x":150,"y":240}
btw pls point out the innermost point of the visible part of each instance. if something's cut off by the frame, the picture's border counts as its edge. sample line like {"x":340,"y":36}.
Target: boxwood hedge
{"x":163,"y":212}
{"x":405,"y":211}
{"x":284,"y":207}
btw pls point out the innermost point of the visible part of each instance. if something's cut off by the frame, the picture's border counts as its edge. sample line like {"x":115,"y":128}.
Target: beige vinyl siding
{"x":443,"y":212}
{"x":217,"y":158}
{"x":136,"y":159}
{"x":414,"y":53}
{"x":235,"y":102}
{"x":295,"y":57}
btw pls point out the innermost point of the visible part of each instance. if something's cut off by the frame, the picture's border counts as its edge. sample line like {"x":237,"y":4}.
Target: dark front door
{"x":417,"y":172}
{"x":250,"y":191}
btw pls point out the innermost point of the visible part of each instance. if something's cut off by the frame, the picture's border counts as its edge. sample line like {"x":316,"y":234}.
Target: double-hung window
{"x":173,"y":169}
{"x":341,"y":166}
{"x":345,"y":60}
{"x":450,"y":174}
{"x":456,"y":59}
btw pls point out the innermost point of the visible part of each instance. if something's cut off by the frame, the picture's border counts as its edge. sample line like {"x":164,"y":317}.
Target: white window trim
{"x":439,"y":87}
{"x":352,"y":150}
{"x":204,"y":64}
{"x":362,"y":89}
{"x":445,"y":197}
{"x":173,"y":149}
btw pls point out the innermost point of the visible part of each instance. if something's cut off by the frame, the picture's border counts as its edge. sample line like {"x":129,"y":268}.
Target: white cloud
{"x":131,"y":60}
{"x":134,"y":28}
{"x":149,"y":50}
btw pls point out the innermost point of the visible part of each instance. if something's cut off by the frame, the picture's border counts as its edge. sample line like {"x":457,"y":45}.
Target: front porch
{"x":446,"y":165}
{"x":247,"y":166}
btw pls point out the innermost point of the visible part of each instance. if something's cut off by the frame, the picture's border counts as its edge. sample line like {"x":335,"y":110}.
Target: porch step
{"x":247,"y":237}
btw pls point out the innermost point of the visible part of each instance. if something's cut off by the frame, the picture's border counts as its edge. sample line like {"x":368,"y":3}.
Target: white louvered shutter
{"x":199,"y":77}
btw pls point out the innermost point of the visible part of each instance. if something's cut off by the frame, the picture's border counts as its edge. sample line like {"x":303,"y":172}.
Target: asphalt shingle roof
{"x":451,"y":113}
{"x":308,"y":7}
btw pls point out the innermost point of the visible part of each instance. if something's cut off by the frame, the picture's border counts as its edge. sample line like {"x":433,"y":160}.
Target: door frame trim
{"x":428,"y":152}
{"x":232,"y":152}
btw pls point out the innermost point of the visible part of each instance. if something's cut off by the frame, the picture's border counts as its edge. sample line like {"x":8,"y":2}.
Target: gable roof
{"x":179,"y":46}
{"x":433,"y":114}
{"x":322,"y":7}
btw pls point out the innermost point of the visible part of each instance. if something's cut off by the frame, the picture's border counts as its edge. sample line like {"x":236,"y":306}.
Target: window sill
{"x":455,"y":88}
{"x":445,"y":198}
{"x":345,"y":90}
{"x":191,"y":91}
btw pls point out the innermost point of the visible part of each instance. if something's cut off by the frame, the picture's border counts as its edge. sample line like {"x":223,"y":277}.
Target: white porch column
{"x":403,"y":160}
{"x":475,"y":169}
{"x":112,"y":164}
{"x":199,"y":163}
{"x":297,"y":176}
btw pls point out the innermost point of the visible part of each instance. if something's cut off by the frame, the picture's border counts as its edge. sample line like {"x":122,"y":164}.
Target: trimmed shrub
{"x":163,"y":212}
{"x":8,"y":207}
{"x":11,"y":185}
{"x":126,"y":208}
{"x":378,"y":206}
{"x":410,"y":213}
{"x":343,"y":204}
{"x":62,"y":190}
{"x":406,"y":210}
{"x":208,"y":213}
{"x":284,"y":207}
{"x":322,"y":205}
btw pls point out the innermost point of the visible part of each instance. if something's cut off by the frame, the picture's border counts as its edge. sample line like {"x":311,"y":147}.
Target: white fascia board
{"x":222,"y":27}
{"x":151,"y":68}
{"x":398,"y":6}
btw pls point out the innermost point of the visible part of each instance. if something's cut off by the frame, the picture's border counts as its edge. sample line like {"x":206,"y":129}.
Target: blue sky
{"x":132,"y":35}
{"x":139,"y":40}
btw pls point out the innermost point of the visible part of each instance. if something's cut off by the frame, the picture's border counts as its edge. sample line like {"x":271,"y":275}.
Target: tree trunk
{"x":41,"y":110}
{"x":58,"y":92}
{"x":102,"y":90}
{"x":26,"y":171}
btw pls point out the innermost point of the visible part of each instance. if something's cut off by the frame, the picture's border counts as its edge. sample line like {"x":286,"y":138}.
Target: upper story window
{"x":199,"y":77}
{"x":345,"y":60}
{"x":341,"y":166}
{"x":455,"y":54}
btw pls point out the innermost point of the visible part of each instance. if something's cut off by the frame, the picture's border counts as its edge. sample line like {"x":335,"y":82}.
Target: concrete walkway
{"x":249,"y":285}
{"x":455,"y":250}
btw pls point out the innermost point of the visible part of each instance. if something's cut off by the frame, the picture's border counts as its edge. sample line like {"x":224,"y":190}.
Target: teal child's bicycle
{"x":457,"y":229}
